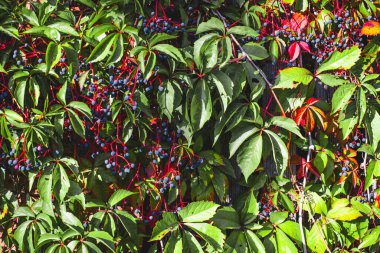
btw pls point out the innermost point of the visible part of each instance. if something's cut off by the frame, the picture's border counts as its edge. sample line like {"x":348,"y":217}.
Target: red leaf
{"x":377,"y":204}
{"x":312,"y":101}
{"x":304,"y":46}
{"x":298,"y":22}
{"x":294,"y":51}
{"x":300,"y":113}
{"x":371,"y":28}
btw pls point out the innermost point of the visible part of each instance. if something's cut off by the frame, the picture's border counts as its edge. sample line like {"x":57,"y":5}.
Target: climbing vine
{"x":189,"y":126}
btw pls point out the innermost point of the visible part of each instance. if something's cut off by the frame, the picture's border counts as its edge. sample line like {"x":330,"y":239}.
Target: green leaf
{"x":191,"y":243}
{"x":61,"y":183}
{"x":23,"y":211}
{"x":118,"y":49}
{"x":88,"y":3}
{"x":211,"y":25}
{"x":20,"y":232}
{"x":373,"y":166}
{"x":315,"y":239}
{"x":167,"y":224}
{"x":170,"y":98}
{"x":19,"y":92}
{"x":199,"y":46}
{"x":287,"y":202}
{"x":250,"y":209}
{"x":72,"y":221}
{"x":118,"y":196}
{"x":198,"y":211}
{"x":201,"y":105}
{"x":224,"y":118}
{"x":290,"y":78}
{"x":158,"y":37}
{"x":372,"y":121}
{"x":174,"y":244}
{"x":256,"y":51}
{"x":61,"y":95}
{"x":279,"y":152}
{"x":77,"y":123}
{"x":286,"y":123}
{"x":240,"y":135}
{"x":371,"y":238}
{"x":45,"y":31}
{"x":64,"y":27}
{"x":278,"y":217}
{"x":34,"y":90}
{"x":361,"y":104}
{"x":331,"y":80}
{"x":149,"y":66}
{"x":81,"y":107}
{"x":225,"y":87}
{"x":2,"y":70}
{"x":227,"y":218}
{"x":44,"y":186}
{"x":236,"y":242}
{"x":249,"y":155}
{"x":102,"y":49}
{"x":127,"y":131}
{"x":53,"y":54}
{"x":341,"y":97}
{"x":242,"y":30}
{"x":292,"y":229}
{"x":340,"y":60}
{"x":169,"y":50}
{"x":284,"y":244}
{"x":47,"y":238}
{"x":12,"y":116}
{"x":254,"y":243}
{"x":100,"y":235}
{"x":128,"y":222}
{"x":212,"y":235}
{"x":343,"y":213}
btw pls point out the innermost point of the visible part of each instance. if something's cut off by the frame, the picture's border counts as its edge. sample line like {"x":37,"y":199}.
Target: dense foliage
{"x":150,"y":126}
